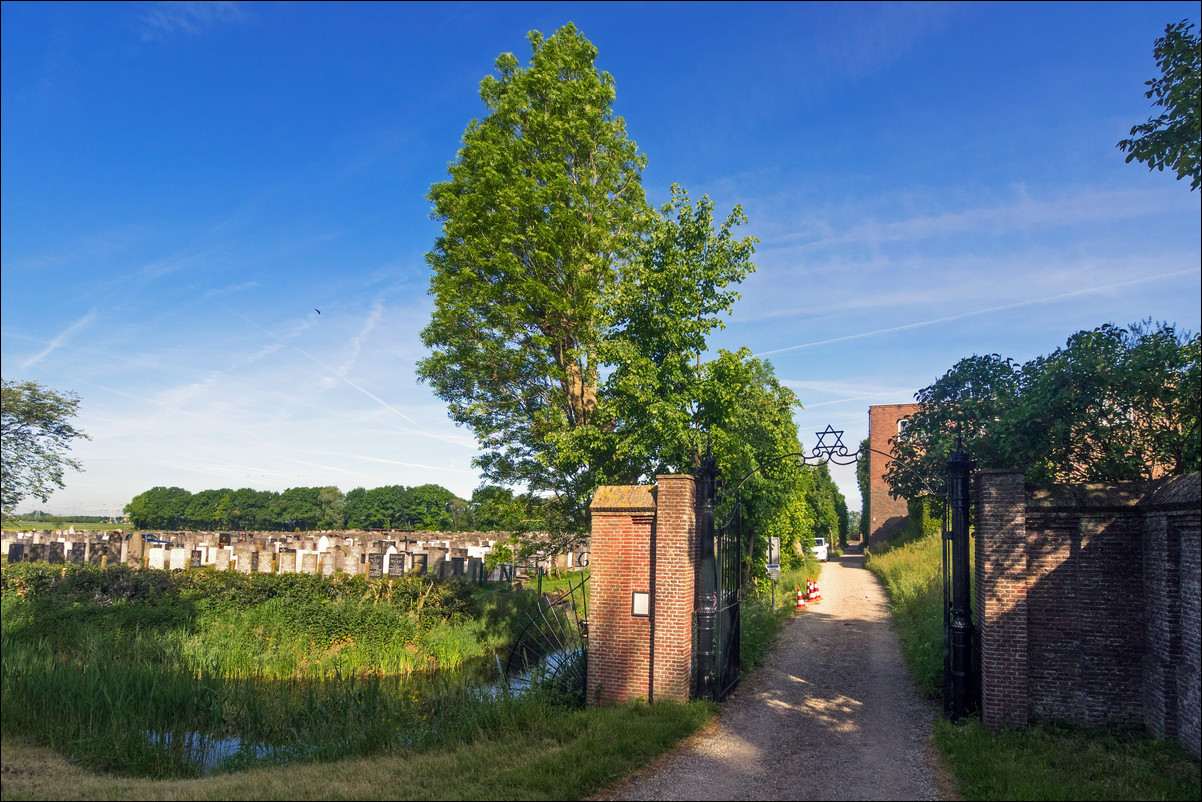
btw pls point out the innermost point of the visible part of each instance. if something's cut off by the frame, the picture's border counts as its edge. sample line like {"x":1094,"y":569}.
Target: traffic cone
{"x":813,"y":594}
{"x":801,"y":599}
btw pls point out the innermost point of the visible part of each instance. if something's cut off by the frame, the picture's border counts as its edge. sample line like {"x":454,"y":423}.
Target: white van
{"x":820,"y":549}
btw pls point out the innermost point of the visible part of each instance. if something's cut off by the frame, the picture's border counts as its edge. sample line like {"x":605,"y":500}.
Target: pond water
{"x":479,"y":682}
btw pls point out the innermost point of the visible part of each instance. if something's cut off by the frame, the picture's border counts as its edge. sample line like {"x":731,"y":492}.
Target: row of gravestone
{"x":246,"y":558}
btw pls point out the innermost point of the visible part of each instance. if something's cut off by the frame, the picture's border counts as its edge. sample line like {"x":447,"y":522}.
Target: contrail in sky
{"x":333,"y":372}
{"x":58,"y":341}
{"x":977,"y":312}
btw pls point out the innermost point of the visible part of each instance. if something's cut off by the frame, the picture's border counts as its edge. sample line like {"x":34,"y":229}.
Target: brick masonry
{"x":643,"y":541}
{"x":1087,"y":604}
{"x":887,"y":514}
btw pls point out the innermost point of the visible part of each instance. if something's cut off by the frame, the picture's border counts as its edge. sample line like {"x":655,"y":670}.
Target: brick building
{"x":886,"y":515}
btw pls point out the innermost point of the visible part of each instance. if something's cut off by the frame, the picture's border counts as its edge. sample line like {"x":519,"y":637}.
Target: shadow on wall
{"x":1088,"y":604}
{"x":880,"y":536}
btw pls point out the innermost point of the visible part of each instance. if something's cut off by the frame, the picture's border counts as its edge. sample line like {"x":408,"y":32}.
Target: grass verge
{"x":1044,"y":761}
{"x":554,"y":754}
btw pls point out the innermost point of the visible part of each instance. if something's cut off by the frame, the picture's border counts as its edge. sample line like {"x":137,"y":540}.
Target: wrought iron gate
{"x":719,"y":590}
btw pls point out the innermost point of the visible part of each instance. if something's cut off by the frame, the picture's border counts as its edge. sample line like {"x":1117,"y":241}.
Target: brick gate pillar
{"x":674,"y":573}
{"x":642,"y":567}
{"x":1001,"y":598}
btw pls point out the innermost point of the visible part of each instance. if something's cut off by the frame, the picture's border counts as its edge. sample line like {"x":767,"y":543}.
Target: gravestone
{"x":180,"y":559}
{"x":55,"y":553}
{"x":196,"y":559}
{"x":266,"y":561}
{"x":475,"y":569}
{"x":354,"y":559}
{"x":247,"y":559}
{"x":309,"y":562}
{"x":16,"y":553}
{"x":334,"y":562}
{"x":156,"y":557}
{"x":396,"y":565}
{"x":223,"y":559}
{"x":457,"y":566}
{"x":375,"y":565}
{"x":421,"y":564}
{"x":323,"y":544}
{"x":223,"y":539}
{"x":287,"y":561}
{"x":77,"y":554}
{"x":135,"y":550}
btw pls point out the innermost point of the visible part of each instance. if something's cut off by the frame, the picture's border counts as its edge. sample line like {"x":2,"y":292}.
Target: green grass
{"x":1053,"y":762}
{"x":105,"y":666}
{"x":62,"y":524}
{"x":1044,"y":761}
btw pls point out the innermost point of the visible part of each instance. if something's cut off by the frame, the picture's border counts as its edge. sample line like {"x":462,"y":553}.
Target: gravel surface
{"x":832,"y":714}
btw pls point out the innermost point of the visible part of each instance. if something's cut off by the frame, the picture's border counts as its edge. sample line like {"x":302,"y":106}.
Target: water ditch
{"x":378,"y":713}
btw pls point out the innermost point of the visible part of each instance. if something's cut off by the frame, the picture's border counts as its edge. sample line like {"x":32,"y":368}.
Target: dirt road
{"x":831,"y":715}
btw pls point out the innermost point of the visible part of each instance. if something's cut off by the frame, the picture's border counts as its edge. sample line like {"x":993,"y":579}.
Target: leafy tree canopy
{"x":35,"y":436}
{"x":1174,"y":138}
{"x":1114,"y":404}
{"x":551,"y":268}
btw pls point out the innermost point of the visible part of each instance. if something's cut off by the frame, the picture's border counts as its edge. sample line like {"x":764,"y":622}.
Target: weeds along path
{"x":832,"y":714}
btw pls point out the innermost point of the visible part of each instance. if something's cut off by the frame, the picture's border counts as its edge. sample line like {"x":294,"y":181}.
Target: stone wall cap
{"x":1099,"y":497}
{"x":624,"y":498}
{"x":1174,"y":491}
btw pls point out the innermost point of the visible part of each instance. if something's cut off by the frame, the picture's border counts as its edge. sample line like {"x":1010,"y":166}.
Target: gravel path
{"x":831,"y":715}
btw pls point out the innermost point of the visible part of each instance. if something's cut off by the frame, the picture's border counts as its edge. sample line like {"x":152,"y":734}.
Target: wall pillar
{"x":1001,"y":598}
{"x":642,"y":548}
{"x":672,"y":587}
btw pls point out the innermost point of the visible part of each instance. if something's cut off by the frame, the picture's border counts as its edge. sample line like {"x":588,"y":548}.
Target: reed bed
{"x":177,"y":674}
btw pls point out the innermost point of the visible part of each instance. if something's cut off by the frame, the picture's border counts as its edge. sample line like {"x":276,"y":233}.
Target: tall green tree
{"x":35,"y":435}
{"x":540,"y":210}
{"x":1174,"y":138}
{"x":672,"y":296}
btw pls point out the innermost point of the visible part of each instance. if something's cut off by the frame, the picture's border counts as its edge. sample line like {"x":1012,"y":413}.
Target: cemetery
{"x":439,"y":555}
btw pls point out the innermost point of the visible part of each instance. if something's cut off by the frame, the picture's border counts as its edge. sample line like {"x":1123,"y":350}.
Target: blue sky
{"x":184,"y":184}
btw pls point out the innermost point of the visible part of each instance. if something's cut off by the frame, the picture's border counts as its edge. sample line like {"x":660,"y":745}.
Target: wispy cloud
{"x":808,"y":231}
{"x":62,"y":339}
{"x":975,"y":312}
{"x":373,"y":319}
{"x":162,"y":20}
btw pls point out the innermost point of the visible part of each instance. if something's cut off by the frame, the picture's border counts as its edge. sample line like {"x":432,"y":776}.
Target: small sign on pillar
{"x":640,"y":604}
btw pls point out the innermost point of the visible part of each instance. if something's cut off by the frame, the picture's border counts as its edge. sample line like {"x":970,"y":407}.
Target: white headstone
{"x":156,"y":557}
{"x":181,"y":559}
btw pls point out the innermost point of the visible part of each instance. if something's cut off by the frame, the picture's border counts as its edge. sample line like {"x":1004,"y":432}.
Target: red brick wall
{"x":1087,"y":604}
{"x":1000,"y":603}
{"x":642,"y":541}
{"x":887,"y":514}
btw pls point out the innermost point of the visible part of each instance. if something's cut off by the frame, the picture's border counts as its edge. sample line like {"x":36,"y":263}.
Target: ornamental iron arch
{"x":719,"y":586}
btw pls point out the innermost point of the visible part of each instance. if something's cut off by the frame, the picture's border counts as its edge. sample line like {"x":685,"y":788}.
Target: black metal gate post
{"x":707,"y":581}
{"x":958,"y":470}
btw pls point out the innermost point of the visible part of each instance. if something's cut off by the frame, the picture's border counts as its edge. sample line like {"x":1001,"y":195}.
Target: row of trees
{"x":426,"y":508}
{"x":571,"y":318}
{"x":1114,"y":404}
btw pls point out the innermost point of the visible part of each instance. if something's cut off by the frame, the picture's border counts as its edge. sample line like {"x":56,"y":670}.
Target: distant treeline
{"x":426,"y":507}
